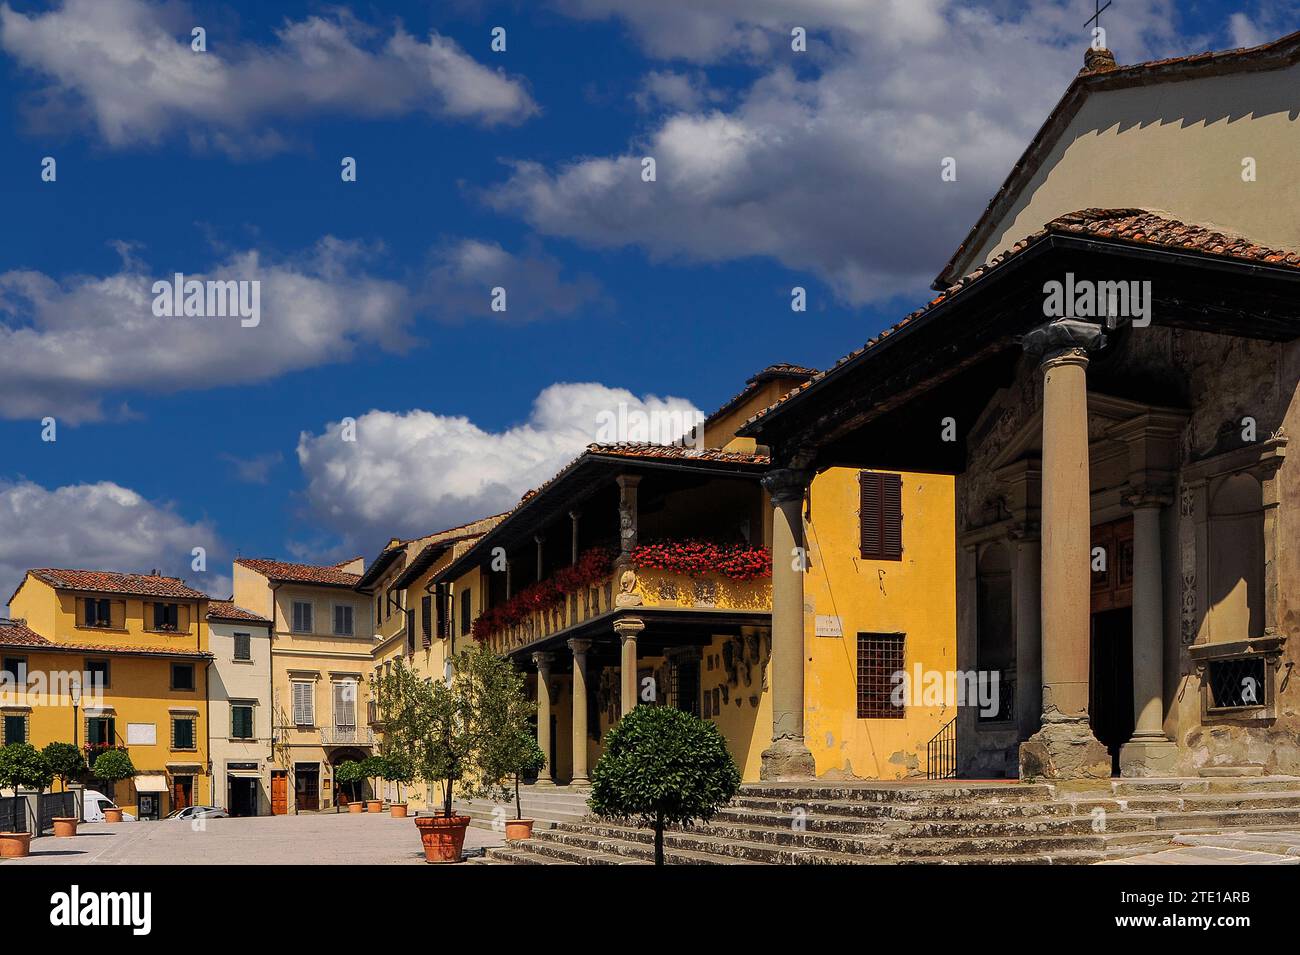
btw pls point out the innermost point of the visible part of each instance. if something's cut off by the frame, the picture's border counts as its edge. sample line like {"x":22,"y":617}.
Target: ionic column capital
{"x":543,"y":662}
{"x":628,"y":480}
{"x":1138,"y":496}
{"x":1063,"y":341}
{"x":579,"y":646}
{"x":787,"y":484}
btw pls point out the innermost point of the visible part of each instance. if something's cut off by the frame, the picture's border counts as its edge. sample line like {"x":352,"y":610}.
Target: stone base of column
{"x":787,"y":760}
{"x":579,"y":781}
{"x":544,"y":782}
{"x":1148,"y":757}
{"x":1064,"y":749}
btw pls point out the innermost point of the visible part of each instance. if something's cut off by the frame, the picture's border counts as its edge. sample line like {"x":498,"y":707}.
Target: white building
{"x":239,"y":708}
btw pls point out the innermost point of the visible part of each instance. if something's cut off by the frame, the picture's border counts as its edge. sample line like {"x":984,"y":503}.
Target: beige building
{"x":321,"y":638}
{"x":239,"y":707}
{"x":1111,"y":375}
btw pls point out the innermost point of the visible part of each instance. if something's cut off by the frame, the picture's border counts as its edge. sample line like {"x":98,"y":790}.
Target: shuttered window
{"x":183,"y":732}
{"x":15,"y":728}
{"x":166,"y":616}
{"x":304,"y":704}
{"x":301,"y":616}
{"x":343,"y":620}
{"x":345,"y":704}
{"x":243,"y":646}
{"x":241,"y":721}
{"x":466,"y":611}
{"x":426,"y":618}
{"x":444,"y":611}
{"x":99,"y":613}
{"x":880,"y":515}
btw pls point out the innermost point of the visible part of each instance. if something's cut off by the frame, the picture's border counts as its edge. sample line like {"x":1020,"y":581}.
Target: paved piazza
{"x":314,"y":839}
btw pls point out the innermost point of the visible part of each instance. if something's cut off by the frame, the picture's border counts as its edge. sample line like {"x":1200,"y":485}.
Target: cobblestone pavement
{"x":1229,"y":848}
{"x":317,"y":839}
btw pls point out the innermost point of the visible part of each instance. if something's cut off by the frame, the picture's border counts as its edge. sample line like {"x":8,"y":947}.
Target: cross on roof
{"x":1096,"y":17}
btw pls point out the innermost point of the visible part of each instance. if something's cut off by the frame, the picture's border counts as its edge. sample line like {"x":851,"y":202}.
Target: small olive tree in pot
{"x":662,"y":766}
{"x":372,"y":769}
{"x":347,"y":775}
{"x":398,"y":769}
{"x":112,"y":766}
{"x":21,"y":764}
{"x":68,"y":764}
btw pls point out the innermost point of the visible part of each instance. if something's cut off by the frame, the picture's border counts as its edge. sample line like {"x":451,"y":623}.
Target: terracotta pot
{"x":16,"y":845}
{"x":112,"y":815}
{"x":374,"y":805}
{"x":518,"y":829}
{"x":65,"y":825}
{"x":443,"y":837}
{"x":356,"y":807}
{"x":397,"y":810}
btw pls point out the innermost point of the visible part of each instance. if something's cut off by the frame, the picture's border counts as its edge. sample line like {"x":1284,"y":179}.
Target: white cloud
{"x":256,"y":469}
{"x":126,"y":67}
{"x":829,"y":161}
{"x":65,"y":343}
{"x":416,"y":472}
{"x":101,"y":526}
{"x":674,"y":90}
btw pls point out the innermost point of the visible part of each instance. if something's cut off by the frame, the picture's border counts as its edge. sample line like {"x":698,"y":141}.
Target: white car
{"x":95,"y":804}
{"x":195,"y":812}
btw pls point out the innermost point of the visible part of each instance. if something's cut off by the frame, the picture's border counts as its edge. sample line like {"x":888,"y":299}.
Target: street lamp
{"x":74,"y":691}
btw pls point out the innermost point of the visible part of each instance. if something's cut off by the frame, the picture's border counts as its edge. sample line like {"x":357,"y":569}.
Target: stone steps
{"x":546,"y":807}
{"x":984,"y":823}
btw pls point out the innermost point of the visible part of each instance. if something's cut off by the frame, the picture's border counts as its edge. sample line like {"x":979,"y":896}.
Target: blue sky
{"x":475,"y":169}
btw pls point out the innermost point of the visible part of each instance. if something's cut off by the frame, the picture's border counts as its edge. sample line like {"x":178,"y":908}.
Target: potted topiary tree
{"x":372,"y":769}
{"x":68,"y":764}
{"x":348,"y":774}
{"x":521,"y":756}
{"x":110,"y":767}
{"x":398,"y":769}
{"x":508,"y":745}
{"x":21,"y":764}
{"x":663,"y":766}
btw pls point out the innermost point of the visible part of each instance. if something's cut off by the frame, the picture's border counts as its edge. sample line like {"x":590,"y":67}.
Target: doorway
{"x":182,"y":792}
{"x":241,"y":796}
{"x":279,"y":792}
{"x":306,"y":787}
{"x":1110,"y":704}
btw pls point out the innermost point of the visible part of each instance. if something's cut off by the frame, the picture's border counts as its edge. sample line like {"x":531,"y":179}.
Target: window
{"x":98,"y":612}
{"x":101,"y":730}
{"x":166,"y":616}
{"x":241,"y":720}
{"x":345,"y":704}
{"x":182,"y":676}
{"x":343,"y":620}
{"x":96,"y":675}
{"x":880,"y":656}
{"x":15,"y":670}
{"x":183,"y":732}
{"x":302,"y":616}
{"x":243,"y":646}
{"x":304,"y":703}
{"x":15,"y":728}
{"x":443,"y":610}
{"x":379,"y":609}
{"x":466,"y":611}
{"x":426,"y":618}
{"x":880,"y":515}
{"x":1237,"y":682}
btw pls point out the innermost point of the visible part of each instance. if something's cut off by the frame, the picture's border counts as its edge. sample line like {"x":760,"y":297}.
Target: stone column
{"x":628,"y":629}
{"x":574,"y":517}
{"x":627,"y":517}
{"x":1150,"y":752}
{"x":541,"y":558}
{"x":580,"y":648}
{"x":788,"y":758}
{"x":1029,"y":633}
{"x":1065,"y":747}
{"x":544,"y":661}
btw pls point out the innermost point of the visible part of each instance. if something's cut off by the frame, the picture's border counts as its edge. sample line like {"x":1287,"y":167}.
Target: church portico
{"x":1121,"y":503}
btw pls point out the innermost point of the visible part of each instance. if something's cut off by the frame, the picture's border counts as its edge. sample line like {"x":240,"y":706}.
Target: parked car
{"x":194,"y":812}
{"x":95,"y":804}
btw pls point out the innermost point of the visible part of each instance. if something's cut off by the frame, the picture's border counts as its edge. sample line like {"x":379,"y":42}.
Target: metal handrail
{"x":941,"y":753}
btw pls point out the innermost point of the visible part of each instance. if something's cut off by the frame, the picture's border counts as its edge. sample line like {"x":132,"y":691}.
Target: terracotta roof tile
{"x":280,"y":570}
{"x":1138,"y":226}
{"x":754,"y":382}
{"x":16,"y":633}
{"x":229,"y":610}
{"x":661,"y":452}
{"x":144,"y":585}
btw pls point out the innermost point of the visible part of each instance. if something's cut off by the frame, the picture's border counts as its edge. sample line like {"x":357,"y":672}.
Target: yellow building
{"x":105,"y":660}
{"x":321,"y":638}
{"x":416,"y":622}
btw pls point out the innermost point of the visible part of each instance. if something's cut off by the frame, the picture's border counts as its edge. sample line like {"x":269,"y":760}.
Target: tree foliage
{"x":662,"y":766}
{"x":113,"y":765}
{"x":66,"y":761}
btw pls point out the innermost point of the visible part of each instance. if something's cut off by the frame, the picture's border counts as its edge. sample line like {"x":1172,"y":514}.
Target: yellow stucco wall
{"x":915,"y":596}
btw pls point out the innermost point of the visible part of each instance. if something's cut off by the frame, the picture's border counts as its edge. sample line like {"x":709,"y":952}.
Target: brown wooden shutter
{"x":880,"y":516}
